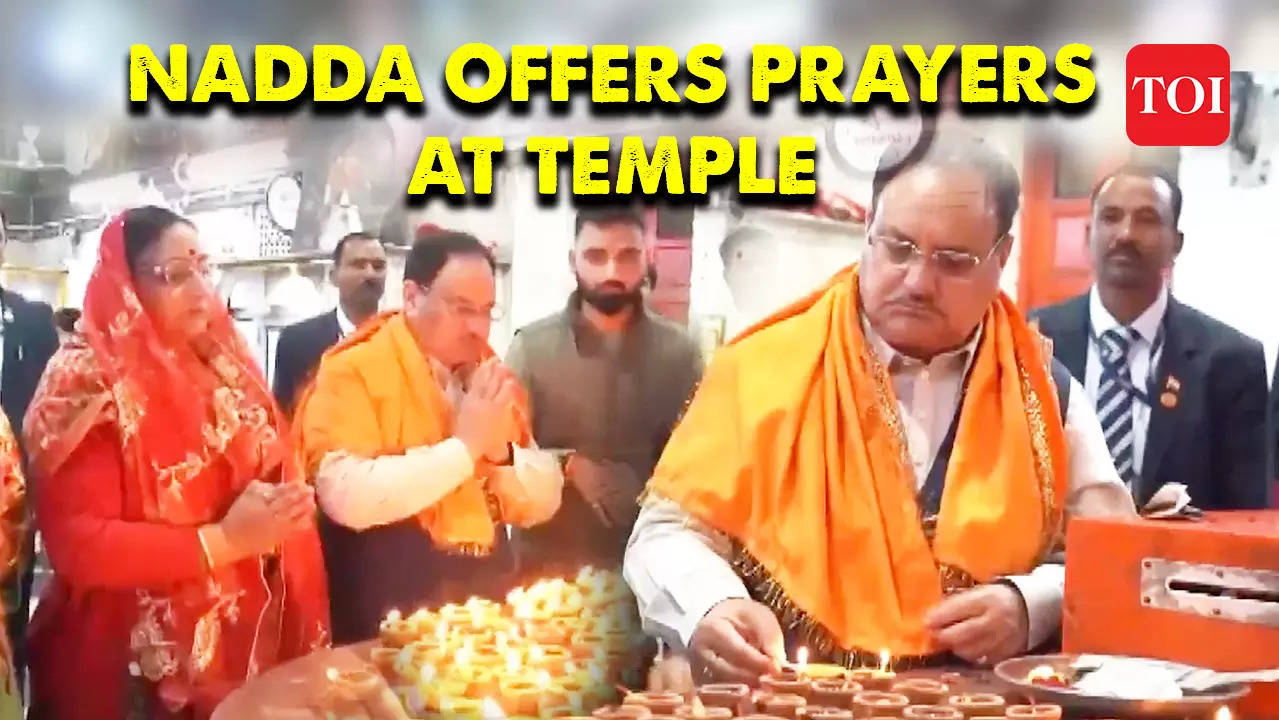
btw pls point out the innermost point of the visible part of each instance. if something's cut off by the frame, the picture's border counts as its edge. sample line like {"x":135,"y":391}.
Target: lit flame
{"x":393,"y":616}
{"x":512,"y":661}
{"x":491,"y":710}
{"x":463,"y":654}
{"x":332,"y":674}
{"x":500,"y":641}
{"x":543,"y":680}
{"x":427,"y":674}
{"x":1223,"y":713}
{"x":801,"y":660}
{"x":1041,"y":672}
{"x":536,"y":654}
{"x":441,"y":630}
{"x":885,"y":658}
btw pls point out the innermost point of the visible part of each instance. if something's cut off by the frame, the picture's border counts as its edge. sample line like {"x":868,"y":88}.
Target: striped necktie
{"x":1114,"y":400}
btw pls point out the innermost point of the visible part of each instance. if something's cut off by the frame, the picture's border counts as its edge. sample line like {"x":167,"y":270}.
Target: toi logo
{"x":1178,"y":94}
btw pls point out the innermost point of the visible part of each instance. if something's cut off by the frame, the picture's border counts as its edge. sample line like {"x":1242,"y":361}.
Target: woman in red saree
{"x":180,"y":532}
{"x":12,"y":532}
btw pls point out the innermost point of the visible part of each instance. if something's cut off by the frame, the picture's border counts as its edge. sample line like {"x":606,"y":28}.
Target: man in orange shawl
{"x":883,"y":465}
{"x":417,"y":440}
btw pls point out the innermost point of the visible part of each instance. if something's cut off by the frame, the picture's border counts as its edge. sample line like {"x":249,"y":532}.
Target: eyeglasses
{"x":465,"y":310}
{"x":179,"y":271}
{"x":953,"y":263}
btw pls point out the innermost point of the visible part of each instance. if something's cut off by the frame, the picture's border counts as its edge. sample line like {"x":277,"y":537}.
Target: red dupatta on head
{"x":193,"y":433}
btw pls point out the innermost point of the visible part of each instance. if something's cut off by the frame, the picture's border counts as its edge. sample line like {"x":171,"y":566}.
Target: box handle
{"x":1240,"y":595}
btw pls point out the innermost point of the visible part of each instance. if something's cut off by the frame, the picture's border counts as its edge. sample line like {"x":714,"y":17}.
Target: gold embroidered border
{"x":1043,"y":462}
{"x":888,"y":411}
{"x":476,"y":550}
{"x":816,"y":636}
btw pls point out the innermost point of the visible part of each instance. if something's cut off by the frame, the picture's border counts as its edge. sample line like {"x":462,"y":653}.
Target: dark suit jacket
{"x":29,"y":341}
{"x":297,"y":355}
{"x":1274,"y":419}
{"x":1216,"y":436}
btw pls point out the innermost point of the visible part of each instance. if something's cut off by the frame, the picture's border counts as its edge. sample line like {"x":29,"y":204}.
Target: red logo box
{"x":1178,"y":94}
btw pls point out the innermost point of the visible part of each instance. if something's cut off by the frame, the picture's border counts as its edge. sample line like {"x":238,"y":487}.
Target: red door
{"x":1056,"y":262}
{"x":670,"y":239}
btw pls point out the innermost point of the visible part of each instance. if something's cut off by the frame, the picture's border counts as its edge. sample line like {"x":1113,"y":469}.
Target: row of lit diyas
{"x":554,"y":649}
{"x":801,"y":691}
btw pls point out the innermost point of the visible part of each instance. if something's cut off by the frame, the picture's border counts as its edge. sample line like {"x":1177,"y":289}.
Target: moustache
{"x":1125,"y":250}
{"x":916,"y":306}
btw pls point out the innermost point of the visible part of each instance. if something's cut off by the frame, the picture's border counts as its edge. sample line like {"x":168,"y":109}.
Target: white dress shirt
{"x":679,"y":568}
{"x":1140,"y":361}
{"x":345,"y":326}
{"x":361,"y":493}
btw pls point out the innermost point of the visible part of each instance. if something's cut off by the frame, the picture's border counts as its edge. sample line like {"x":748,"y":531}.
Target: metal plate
{"x":1013,"y":673}
{"x":1229,"y":593}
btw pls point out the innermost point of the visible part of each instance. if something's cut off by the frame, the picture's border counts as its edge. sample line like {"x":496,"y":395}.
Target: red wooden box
{"x":1204,"y":593}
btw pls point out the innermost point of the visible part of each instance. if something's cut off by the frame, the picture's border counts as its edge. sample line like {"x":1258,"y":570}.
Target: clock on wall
{"x":283,"y":197}
{"x":857,"y":142}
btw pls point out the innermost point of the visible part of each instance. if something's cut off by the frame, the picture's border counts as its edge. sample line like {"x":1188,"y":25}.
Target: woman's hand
{"x":260,"y":519}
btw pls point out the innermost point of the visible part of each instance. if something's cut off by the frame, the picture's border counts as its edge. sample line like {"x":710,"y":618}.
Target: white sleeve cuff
{"x":361,"y":493}
{"x":536,"y":492}
{"x":1042,"y":590}
{"x":676,"y":572}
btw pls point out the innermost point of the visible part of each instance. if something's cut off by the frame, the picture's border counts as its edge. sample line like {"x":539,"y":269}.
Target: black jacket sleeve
{"x":1244,"y":440}
{"x":285,"y":382}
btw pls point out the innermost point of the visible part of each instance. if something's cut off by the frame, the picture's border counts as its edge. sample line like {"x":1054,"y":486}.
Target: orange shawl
{"x":793,"y":447}
{"x":376,"y":394}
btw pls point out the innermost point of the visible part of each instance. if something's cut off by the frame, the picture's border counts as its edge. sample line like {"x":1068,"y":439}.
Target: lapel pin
{"x":1173,"y":384}
{"x":1168,"y":400}
{"x":8,"y":315}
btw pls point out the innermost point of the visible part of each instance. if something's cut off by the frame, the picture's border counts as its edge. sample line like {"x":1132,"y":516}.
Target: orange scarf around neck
{"x":375,"y":394}
{"x":793,"y":447}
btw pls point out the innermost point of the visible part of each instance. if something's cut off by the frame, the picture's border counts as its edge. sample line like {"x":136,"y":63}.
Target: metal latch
{"x":1217,"y":591}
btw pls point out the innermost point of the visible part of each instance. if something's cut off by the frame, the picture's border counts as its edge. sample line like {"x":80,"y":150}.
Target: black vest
{"x":397,"y":567}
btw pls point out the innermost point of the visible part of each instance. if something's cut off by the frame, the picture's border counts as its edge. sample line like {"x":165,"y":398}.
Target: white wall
{"x":1229,"y":267}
